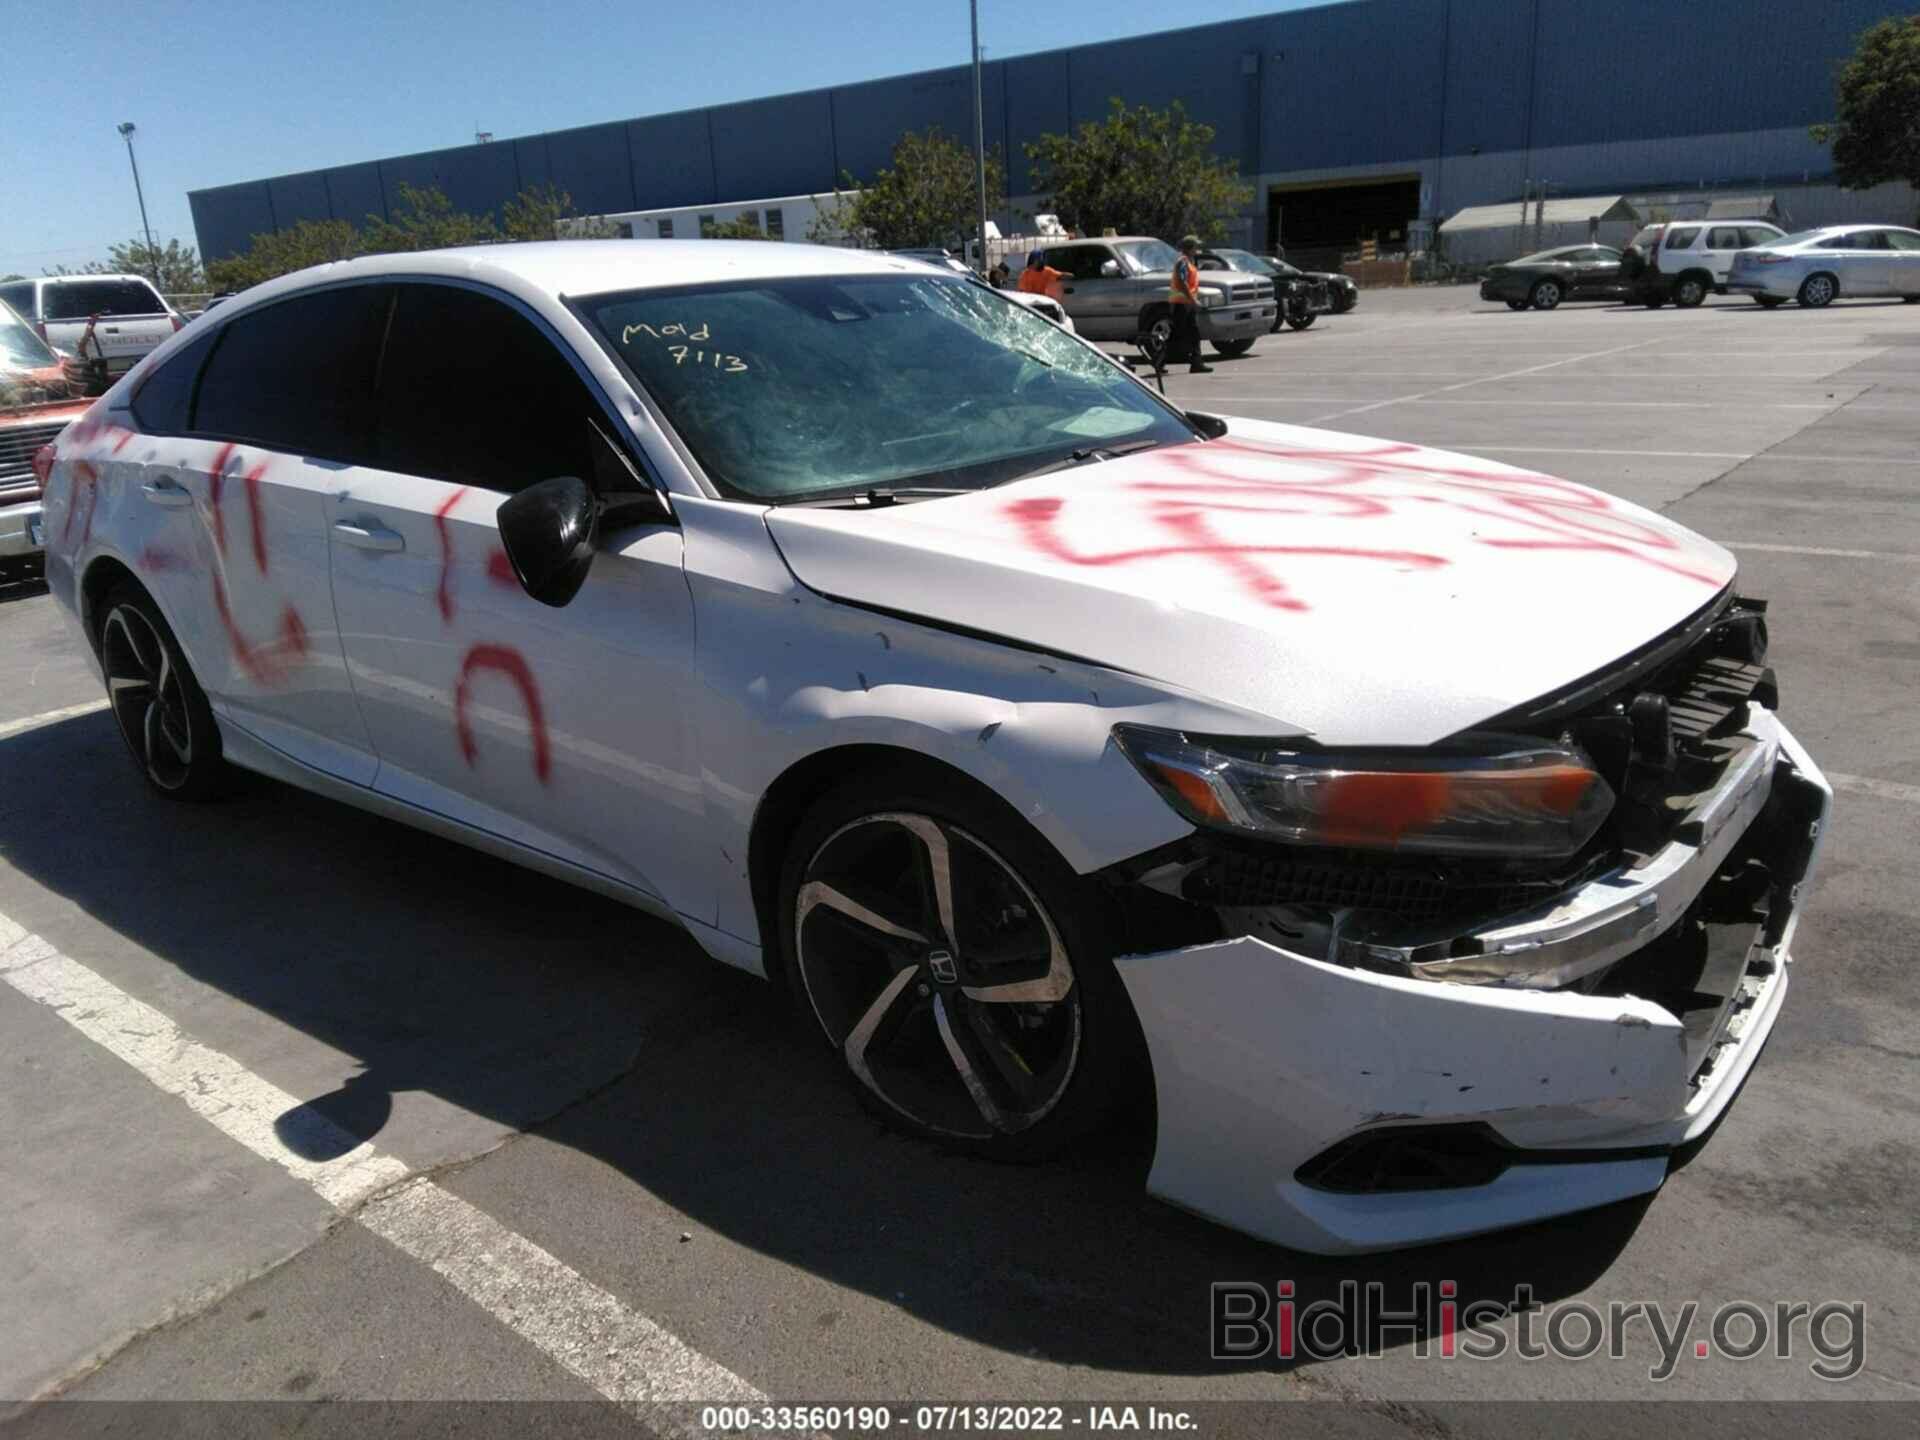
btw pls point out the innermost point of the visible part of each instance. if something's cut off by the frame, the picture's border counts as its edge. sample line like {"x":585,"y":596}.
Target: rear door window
{"x":1725,"y":237}
{"x":472,"y":391}
{"x":1681,"y":237}
{"x":1903,"y":240}
{"x":79,"y":299}
{"x":297,"y":375}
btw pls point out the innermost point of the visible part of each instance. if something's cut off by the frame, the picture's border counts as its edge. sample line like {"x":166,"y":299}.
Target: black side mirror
{"x":548,"y":531}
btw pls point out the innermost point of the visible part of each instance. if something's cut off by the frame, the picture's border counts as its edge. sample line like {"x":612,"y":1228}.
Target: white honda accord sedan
{"x":1409,"y":839}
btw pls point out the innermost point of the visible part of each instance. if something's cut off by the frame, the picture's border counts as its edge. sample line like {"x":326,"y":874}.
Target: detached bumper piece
{"x":1378,"y":1055}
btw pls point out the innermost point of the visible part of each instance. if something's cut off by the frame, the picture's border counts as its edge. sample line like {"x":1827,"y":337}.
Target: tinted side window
{"x":1680,"y":238}
{"x":1903,"y":240}
{"x":77,"y":299}
{"x":20,"y":297}
{"x":296,"y":375}
{"x":1841,"y":242}
{"x":164,"y":402}
{"x":472,"y":391}
{"x":1724,"y":237}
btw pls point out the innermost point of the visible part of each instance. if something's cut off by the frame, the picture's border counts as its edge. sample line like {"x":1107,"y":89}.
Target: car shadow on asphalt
{"x":552,"y":1010}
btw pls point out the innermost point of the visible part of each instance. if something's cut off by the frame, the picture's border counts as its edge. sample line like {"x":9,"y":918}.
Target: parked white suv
{"x":1684,"y":261}
{"x":128,"y":316}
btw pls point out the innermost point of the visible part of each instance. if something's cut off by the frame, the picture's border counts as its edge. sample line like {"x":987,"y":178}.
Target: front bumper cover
{"x":1264,"y":1058}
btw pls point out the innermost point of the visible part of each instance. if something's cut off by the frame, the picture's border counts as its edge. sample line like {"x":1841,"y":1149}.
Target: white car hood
{"x":1365,"y":591}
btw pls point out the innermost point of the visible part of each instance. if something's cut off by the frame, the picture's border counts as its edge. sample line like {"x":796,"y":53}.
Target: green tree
{"x":310,"y":242}
{"x":1141,"y":172}
{"x":536,"y":214}
{"x":1876,"y":135}
{"x":928,"y":195}
{"x":177,"y":265}
{"x":425,"y":220}
{"x":740,"y":228}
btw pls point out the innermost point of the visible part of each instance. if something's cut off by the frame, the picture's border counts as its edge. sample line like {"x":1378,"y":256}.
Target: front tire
{"x":1547,"y":295}
{"x":1818,"y":291}
{"x":1300,"y":320}
{"x":161,"y":710}
{"x":956,"y":966}
{"x":1232,"y":349}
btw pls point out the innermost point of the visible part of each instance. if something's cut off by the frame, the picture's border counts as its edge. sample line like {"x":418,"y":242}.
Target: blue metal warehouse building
{"x":1352,"y":119}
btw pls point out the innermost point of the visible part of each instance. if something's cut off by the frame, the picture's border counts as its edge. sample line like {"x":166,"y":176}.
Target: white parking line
{"x":619,"y":1352}
{"x":1825,"y":550}
{"x":1485,"y":380}
{"x":1884,"y":789}
{"x":1769,"y":455}
{"x":48,"y":717}
{"x":1532,"y":404}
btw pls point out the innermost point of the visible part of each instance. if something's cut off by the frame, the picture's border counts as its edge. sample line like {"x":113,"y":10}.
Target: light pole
{"x":979,"y":135}
{"x":153,"y":259}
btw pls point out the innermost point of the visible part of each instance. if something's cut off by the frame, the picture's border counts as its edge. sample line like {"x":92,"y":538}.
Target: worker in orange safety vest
{"x":1183,"y":299}
{"x":1039,"y":278}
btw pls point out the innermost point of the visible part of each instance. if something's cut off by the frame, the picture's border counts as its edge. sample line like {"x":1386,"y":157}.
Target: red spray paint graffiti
{"x":513,"y":665}
{"x":86,"y":495}
{"x":1548,"y":514}
{"x":500,"y":571}
{"x":444,"y":594}
{"x":265,"y":663}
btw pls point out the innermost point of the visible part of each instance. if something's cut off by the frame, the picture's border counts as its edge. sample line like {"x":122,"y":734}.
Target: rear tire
{"x":161,"y":710}
{"x":1819,"y":291}
{"x":958,"y":968}
{"x":1302,"y":320}
{"x":1690,"y":291}
{"x":1232,"y":349}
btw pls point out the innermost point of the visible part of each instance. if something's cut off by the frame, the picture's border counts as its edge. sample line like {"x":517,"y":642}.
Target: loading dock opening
{"x":1317,"y":223}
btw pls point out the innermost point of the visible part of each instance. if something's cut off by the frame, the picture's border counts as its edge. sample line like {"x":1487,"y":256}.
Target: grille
{"x":1254,"y":290}
{"x":1414,"y":893}
{"x":17,"y":444}
{"x":1710,"y":693}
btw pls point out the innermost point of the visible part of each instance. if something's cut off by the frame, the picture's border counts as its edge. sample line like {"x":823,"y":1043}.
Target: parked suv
{"x":1116,"y":289}
{"x":1683,"y":261}
{"x":127,"y":315}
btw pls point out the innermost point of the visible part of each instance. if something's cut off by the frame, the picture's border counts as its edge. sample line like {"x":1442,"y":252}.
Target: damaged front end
{"x":1501,"y":1005}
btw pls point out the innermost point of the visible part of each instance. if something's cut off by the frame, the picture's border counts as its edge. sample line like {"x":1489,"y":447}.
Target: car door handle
{"x":369,"y":536}
{"x":166,"y":492}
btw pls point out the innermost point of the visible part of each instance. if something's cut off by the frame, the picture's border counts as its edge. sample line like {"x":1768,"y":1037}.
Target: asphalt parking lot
{"x":298,"y":1104}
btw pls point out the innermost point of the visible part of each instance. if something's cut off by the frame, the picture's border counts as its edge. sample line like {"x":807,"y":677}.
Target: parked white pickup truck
{"x":127,"y":316}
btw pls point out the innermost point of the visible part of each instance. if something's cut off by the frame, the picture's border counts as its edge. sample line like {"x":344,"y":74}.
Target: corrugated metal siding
{"x":672,"y":160}
{"x":1535,"y":87}
{"x":782,"y":146}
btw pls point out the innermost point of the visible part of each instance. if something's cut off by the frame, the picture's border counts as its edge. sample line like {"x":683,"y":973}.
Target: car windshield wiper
{"x":1085,"y":453}
{"x":874,"y":496}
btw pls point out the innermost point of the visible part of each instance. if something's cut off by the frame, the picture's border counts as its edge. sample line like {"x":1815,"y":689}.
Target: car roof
{"x":548,"y":268}
{"x":90,"y":275}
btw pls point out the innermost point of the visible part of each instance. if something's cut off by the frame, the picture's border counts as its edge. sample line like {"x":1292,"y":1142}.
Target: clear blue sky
{"x":226,"y":90}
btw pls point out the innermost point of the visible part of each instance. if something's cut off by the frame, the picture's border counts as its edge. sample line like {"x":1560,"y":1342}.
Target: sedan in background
{"x":1817,"y":267}
{"x":1341,"y":289}
{"x":1300,"y":299}
{"x":1406,"y":841}
{"x":1544,"y":279}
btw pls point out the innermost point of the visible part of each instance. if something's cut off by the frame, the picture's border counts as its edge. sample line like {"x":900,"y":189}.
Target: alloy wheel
{"x":145,"y":689}
{"x":1818,"y":291}
{"x":939,"y":975}
{"x":1546,"y":295}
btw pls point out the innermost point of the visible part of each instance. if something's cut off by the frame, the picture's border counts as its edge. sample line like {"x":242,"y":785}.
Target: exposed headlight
{"x":1488,"y":795}
{"x":1210,"y":297}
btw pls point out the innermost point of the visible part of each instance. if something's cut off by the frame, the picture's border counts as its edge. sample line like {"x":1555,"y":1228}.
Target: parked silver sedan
{"x":1817,"y":267}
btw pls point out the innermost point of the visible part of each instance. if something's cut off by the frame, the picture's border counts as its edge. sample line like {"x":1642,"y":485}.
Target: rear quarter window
{"x":1681,"y":237}
{"x":164,"y":402}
